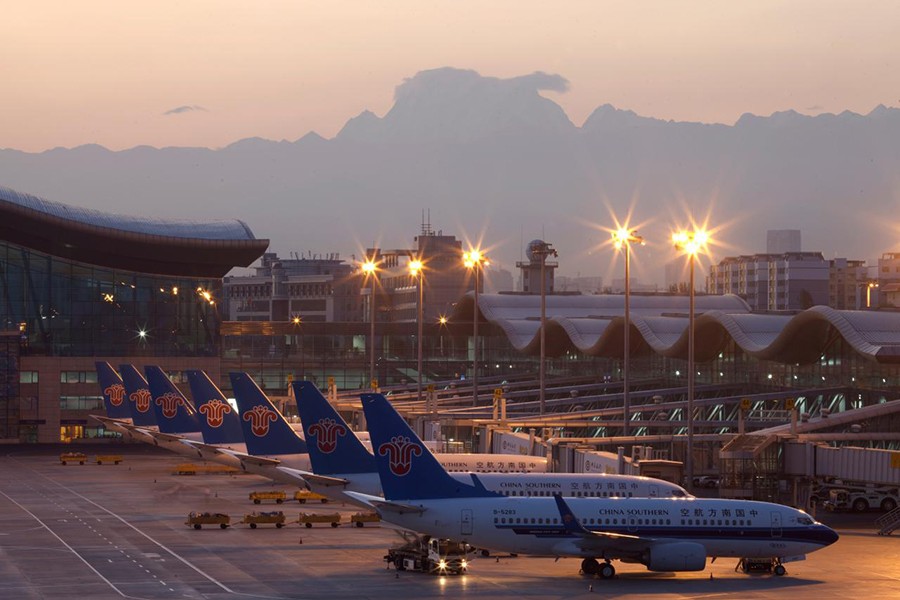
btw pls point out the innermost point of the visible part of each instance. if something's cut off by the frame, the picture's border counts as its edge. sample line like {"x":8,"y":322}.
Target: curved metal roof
{"x":161,"y":246}
{"x":595,"y":325}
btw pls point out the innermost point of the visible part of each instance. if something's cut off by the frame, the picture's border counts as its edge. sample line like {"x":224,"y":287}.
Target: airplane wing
{"x":260,"y":461}
{"x":165,"y":437}
{"x":599,"y":541}
{"x":382,"y":505}
{"x":306,"y":476}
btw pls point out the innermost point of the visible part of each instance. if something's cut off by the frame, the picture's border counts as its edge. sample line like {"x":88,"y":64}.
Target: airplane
{"x":341,"y":463}
{"x":663,"y":534}
{"x":118,"y":415}
{"x":218,"y":421}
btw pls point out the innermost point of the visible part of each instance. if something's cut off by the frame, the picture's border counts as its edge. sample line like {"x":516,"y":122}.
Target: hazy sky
{"x":207,"y":73}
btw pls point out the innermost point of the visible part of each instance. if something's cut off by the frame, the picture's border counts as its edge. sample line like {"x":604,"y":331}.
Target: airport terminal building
{"x":79,"y":284}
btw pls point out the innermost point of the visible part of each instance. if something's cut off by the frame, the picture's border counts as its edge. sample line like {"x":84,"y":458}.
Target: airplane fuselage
{"x":534,"y":526}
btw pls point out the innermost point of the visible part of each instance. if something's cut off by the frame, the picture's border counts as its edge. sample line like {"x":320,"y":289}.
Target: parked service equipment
{"x":361,"y":518}
{"x":109,"y":458}
{"x":430,"y":555}
{"x":72,"y":457}
{"x":302,"y":496}
{"x":309,"y":518}
{"x":198,"y":519}
{"x":258,"y":518}
{"x":277,"y":495}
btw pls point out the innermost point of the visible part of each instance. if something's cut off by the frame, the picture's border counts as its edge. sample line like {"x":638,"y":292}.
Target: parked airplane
{"x":341,"y":463}
{"x":118,"y":415}
{"x":664,"y":534}
{"x":218,"y":420}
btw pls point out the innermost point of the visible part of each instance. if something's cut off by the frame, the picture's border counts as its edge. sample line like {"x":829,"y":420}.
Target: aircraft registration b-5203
{"x":664,"y":534}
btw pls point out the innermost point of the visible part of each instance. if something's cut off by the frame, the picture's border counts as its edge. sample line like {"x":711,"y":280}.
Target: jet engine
{"x":677,"y":556}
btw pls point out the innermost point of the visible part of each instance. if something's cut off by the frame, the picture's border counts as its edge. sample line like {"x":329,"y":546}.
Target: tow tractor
{"x":429,"y":555}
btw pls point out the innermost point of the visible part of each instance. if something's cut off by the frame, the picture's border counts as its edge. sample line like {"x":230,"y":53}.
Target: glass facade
{"x":9,"y":384}
{"x":66,"y":308}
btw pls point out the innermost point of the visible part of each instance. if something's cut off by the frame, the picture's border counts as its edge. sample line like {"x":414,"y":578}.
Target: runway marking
{"x":71,"y":549}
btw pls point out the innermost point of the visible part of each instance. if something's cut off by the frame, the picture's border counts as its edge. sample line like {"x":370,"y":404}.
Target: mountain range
{"x":492,"y":159}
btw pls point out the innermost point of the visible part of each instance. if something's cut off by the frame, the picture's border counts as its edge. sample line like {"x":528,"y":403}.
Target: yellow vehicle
{"x":109,"y":458}
{"x":73,"y":457}
{"x":360,"y":518}
{"x":302,"y":496}
{"x":277,"y":495}
{"x":309,"y":518}
{"x":259,"y":518}
{"x":198,"y":519}
{"x":192,"y":469}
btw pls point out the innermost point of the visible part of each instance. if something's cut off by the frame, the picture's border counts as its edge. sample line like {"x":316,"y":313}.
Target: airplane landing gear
{"x":779,"y":570}
{"x":591,"y":566}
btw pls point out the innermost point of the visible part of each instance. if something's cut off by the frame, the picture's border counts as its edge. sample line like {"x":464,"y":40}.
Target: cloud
{"x":815,"y":108}
{"x":183,"y":109}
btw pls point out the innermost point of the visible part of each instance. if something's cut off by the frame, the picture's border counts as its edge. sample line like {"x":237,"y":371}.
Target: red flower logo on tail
{"x":215,"y":411}
{"x":169,"y":403}
{"x":326,"y":432}
{"x":400,"y":451}
{"x":259,"y":417}
{"x":116,"y":393}
{"x":141,"y":399}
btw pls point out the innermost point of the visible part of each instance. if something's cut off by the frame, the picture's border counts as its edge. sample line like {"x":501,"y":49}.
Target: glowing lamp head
{"x":368,"y":267}
{"x":415,"y":267}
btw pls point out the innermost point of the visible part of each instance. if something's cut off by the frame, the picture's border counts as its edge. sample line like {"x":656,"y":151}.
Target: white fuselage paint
{"x":533,"y":525}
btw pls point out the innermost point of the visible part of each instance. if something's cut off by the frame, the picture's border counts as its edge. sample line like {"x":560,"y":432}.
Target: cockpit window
{"x":804,"y":520}
{"x":678,"y":494}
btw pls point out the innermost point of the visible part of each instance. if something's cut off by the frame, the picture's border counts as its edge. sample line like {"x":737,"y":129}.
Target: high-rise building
{"x":783,"y":241}
{"x":773,"y":282}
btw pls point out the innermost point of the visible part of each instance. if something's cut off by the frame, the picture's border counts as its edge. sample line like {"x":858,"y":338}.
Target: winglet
{"x":266,"y":432}
{"x":113,"y":391}
{"x":333,"y":448}
{"x":408,"y":470}
{"x":174,"y":414}
{"x":138,"y":394}
{"x":568,"y":518}
{"x":218,"y":420}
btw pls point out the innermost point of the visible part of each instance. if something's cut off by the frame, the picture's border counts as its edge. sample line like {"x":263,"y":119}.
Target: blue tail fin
{"x":408,"y":470}
{"x":333,"y":448}
{"x":113,"y":391}
{"x":218,"y":420}
{"x":174,"y":414}
{"x":266,"y":432}
{"x":139,"y":397}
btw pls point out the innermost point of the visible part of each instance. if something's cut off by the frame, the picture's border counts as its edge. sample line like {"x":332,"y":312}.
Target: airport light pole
{"x":543,"y":250}
{"x":369,"y":268}
{"x":622,"y":240}
{"x":475,"y":260}
{"x":690,"y":243}
{"x":416,"y":271}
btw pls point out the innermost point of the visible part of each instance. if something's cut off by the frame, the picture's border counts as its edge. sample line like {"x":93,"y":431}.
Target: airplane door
{"x":776,"y":524}
{"x":654,"y":490}
{"x":465,"y":522}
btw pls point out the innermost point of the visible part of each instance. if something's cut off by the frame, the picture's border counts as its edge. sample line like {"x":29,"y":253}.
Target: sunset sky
{"x":208,"y":73}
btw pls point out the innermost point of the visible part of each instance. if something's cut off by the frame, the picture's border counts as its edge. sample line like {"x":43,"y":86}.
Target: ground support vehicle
{"x":198,"y":519}
{"x":302,"y":496}
{"x":109,"y":458}
{"x":861,"y":500}
{"x":72,"y":457}
{"x":258,"y":518}
{"x":277,"y":495}
{"x":192,"y":469}
{"x":309,"y":518}
{"x":765,"y":565}
{"x":430,"y":555}
{"x":361,"y":518}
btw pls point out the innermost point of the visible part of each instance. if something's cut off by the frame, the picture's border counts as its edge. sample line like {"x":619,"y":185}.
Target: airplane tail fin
{"x":113,"y":391}
{"x":266,"y":432}
{"x":138,"y":393}
{"x":408,"y":470}
{"x":218,"y":420}
{"x":174,"y":414}
{"x":333,"y":447}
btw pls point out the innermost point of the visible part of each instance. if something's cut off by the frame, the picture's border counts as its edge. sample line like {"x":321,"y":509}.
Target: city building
{"x":849,"y":285}
{"x":311,"y":288}
{"x":79,"y":285}
{"x":773,"y":282}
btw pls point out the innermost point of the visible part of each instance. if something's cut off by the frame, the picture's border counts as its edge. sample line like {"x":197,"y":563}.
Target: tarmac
{"x":118,"y":531}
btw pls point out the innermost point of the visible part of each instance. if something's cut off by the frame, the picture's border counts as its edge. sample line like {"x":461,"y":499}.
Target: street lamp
{"x":475,"y":260}
{"x":543,"y":250}
{"x":690,"y":243}
{"x":369,"y":268}
{"x":622,"y":239}
{"x":416,"y":271}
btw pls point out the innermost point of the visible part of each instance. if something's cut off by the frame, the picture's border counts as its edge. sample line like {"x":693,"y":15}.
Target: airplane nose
{"x":829,"y":535}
